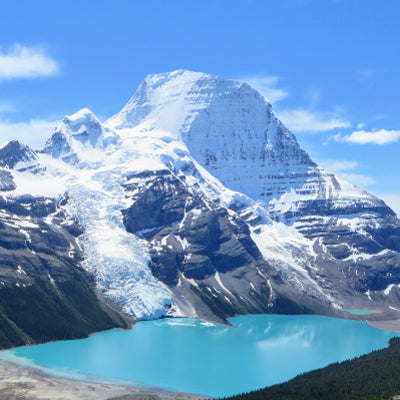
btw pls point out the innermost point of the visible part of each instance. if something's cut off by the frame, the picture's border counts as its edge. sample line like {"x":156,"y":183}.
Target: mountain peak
{"x":165,"y":100}
{"x":14,"y":152}
{"x":226,"y":125}
{"x":83,"y":126}
{"x":80,"y":116}
{"x":196,"y":183}
{"x":77,"y":132}
{"x":183,"y":75}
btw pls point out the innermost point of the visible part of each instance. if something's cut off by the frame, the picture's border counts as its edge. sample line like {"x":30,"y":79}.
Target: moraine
{"x":189,"y":355}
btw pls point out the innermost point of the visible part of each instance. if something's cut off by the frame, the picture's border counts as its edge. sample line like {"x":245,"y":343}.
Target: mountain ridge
{"x":210,"y":207}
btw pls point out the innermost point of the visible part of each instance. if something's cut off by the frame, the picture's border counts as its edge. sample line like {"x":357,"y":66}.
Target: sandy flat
{"x":390,"y":325}
{"x":19,"y":383}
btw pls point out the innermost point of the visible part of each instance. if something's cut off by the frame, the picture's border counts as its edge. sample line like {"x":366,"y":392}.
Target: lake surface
{"x":357,"y":312}
{"x":194,"y":356}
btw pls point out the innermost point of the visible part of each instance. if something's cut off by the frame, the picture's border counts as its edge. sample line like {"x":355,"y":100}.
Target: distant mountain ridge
{"x":196,"y":201}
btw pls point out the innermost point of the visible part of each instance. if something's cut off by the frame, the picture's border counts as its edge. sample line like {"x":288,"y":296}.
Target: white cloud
{"x":360,"y":125}
{"x":300,"y":120}
{"x":267,"y":86}
{"x":345,"y":169}
{"x":360,"y":180}
{"x":33,"y":133}
{"x":26,"y":62}
{"x":380,"y":137}
{"x":335,"y":166}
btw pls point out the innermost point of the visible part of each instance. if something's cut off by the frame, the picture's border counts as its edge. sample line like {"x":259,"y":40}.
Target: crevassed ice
{"x":118,"y":259}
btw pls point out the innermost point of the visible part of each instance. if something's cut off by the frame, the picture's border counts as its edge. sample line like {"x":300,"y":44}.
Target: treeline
{"x":375,"y":376}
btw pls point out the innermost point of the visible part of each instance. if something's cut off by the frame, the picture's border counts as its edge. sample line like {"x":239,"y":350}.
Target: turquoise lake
{"x":194,"y":356}
{"x":357,"y":312}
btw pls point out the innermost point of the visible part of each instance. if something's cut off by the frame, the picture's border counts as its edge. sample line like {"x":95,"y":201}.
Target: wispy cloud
{"x":345,"y":169}
{"x":26,"y":62}
{"x":301,"y":120}
{"x":380,"y":137}
{"x":33,"y":133}
{"x":267,"y":86}
{"x":360,"y":180}
{"x":333,"y":165}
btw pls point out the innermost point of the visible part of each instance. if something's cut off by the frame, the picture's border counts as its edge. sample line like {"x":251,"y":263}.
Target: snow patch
{"x":223,"y":287}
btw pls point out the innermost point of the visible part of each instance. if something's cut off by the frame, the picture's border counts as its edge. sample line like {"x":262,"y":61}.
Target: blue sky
{"x":329,"y":67}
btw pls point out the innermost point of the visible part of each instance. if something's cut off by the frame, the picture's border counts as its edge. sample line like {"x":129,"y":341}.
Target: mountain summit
{"x":231,"y":130}
{"x":195,"y":200}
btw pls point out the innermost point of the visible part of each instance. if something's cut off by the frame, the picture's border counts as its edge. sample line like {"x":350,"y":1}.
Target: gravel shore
{"x":20,"y":383}
{"x":390,"y":325}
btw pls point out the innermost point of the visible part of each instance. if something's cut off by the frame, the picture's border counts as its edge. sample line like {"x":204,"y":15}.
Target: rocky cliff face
{"x":6,"y":181}
{"x":203,"y":252}
{"x":195,"y":200}
{"x":16,"y":155}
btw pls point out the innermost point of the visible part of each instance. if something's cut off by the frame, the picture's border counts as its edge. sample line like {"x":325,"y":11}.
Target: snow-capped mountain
{"x":17,"y":156}
{"x":195,"y":200}
{"x":78,"y":133}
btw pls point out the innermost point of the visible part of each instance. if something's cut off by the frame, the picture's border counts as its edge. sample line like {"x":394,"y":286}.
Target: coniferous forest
{"x":375,"y":376}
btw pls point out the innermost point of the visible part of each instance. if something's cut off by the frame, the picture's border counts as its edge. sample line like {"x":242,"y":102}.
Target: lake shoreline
{"x":15,"y":378}
{"x":17,"y":381}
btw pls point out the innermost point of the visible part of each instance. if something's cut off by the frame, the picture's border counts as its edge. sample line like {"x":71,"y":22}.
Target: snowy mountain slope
{"x":44,"y":294}
{"x":6,"y":181}
{"x":15,"y":155}
{"x":231,"y":130}
{"x":195,"y":200}
{"x":77,"y":133}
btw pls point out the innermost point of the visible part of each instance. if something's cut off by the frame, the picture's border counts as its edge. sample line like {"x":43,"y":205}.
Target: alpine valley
{"x":194,"y":201}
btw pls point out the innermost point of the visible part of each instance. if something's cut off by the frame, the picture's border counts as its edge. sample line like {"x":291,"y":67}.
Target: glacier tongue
{"x":118,"y":259}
